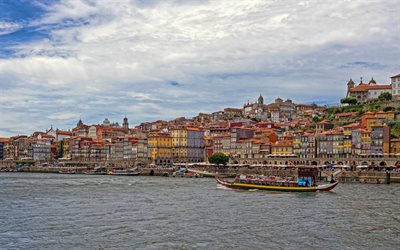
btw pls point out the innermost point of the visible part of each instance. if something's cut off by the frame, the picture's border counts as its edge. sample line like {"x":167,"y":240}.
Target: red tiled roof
{"x":366,"y":87}
{"x":346,"y":114}
{"x":4,"y":139}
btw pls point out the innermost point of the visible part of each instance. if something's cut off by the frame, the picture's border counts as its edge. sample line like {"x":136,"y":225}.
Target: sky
{"x":160,"y":59}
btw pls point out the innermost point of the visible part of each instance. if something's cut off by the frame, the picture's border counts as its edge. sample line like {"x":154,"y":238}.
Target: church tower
{"x":125,"y":124}
{"x":80,"y":123}
{"x":260,"y":100}
{"x":350,"y":85}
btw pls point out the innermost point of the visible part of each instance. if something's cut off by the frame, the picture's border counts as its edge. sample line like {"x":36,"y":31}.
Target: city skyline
{"x":164,"y":59}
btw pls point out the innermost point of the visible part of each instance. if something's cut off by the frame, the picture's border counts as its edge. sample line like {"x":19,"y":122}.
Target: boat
{"x":184,"y":172}
{"x":123,"y":172}
{"x":305,"y":182}
{"x":210,"y":174}
{"x":66,"y":171}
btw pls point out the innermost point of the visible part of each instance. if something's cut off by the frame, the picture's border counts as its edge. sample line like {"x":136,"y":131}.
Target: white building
{"x":364,"y":92}
{"x":396,"y":87}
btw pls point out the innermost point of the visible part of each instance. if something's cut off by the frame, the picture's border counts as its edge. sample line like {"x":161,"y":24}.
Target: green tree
{"x":388,"y":108}
{"x":349,"y":100}
{"x":385,"y":96}
{"x":218,"y":158}
{"x":61,"y":150}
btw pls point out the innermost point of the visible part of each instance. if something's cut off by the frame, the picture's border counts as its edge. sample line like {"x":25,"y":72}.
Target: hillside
{"x":360,"y":109}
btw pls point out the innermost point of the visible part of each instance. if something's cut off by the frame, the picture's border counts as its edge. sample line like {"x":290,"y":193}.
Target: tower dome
{"x":372,"y":82}
{"x":106,"y":122}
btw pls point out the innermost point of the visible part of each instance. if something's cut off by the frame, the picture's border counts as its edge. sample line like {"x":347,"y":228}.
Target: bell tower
{"x":350,"y":85}
{"x":125,"y":124}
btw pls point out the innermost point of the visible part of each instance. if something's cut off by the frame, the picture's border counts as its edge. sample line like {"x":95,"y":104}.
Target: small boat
{"x":66,"y":171}
{"x":123,"y":172}
{"x":305,"y":182}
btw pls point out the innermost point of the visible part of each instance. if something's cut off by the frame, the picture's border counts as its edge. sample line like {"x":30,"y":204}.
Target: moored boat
{"x":123,"y":172}
{"x":305,"y":182}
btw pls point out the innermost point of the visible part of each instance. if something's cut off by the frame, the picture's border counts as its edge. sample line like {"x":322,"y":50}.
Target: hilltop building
{"x":364,"y":92}
{"x":395,"y":87}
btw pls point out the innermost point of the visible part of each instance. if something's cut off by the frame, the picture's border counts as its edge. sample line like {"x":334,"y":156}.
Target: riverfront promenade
{"x":378,"y":175}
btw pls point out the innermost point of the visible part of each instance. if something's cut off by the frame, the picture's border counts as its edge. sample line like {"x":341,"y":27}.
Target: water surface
{"x":50,"y":211}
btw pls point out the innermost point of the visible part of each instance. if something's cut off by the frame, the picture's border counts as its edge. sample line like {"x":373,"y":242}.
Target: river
{"x":53,"y":211}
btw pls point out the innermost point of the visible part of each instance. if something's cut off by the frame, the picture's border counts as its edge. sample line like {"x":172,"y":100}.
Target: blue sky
{"x":61,"y":60}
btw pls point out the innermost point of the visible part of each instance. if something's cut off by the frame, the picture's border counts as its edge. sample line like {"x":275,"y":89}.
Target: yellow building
{"x":66,"y":148}
{"x":187,"y":144}
{"x":370,"y":119}
{"x":347,"y":138}
{"x":179,"y":144}
{"x":365,"y":142}
{"x":395,"y":147}
{"x":160,"y":148}
{"x":283,"y":148}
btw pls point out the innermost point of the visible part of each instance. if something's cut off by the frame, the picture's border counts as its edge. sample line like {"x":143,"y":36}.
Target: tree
{"x":349,"y":100}
{"x":61,"y":150}
{"x":218,"y":158}
{"x":385,"y":96}
{"x":388,"y":108}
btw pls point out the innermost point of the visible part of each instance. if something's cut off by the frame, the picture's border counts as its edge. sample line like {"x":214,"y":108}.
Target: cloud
{"x":8,"y":27}
{"x":111,"y":58}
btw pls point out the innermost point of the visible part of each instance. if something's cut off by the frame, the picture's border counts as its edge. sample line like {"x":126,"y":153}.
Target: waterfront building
{"x":41,"y":149}
{"x":347,"y":138}
{"x":395,"y":87}
{"x":380,"y":140}
{"x":160,"y":148}
{"x":365,"y":142}
{"x":80,"y":148}
{"x":330,"y":144}
{"x":22,"y":148}
{"x":142,"y":151}
{"x":364,"y":92}
{"x":66,"y":148}
{"x":395,"y":147}
{"x":187,"y":144}
{"x":4,"y":142}
{"x":308,"y":142}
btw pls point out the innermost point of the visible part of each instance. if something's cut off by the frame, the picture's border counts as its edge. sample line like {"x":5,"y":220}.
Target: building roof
{"x":347,"y":114}
{"x":366,"y":87}
{"x":398,"y":75}
{"x":4,"y":139}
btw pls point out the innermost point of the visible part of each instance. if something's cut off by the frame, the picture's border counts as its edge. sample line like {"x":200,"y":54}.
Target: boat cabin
{"x":307,"y":176}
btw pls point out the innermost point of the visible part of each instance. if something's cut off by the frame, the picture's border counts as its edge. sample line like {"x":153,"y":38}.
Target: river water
{"x":51,"y":211}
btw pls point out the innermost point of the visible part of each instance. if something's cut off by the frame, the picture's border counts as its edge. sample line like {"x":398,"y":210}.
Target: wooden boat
{"x":278,"y":186}
{"x":304,"y":182}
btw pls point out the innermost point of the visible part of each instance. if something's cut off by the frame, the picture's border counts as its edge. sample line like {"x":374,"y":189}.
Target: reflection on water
{"x":45,"y":211}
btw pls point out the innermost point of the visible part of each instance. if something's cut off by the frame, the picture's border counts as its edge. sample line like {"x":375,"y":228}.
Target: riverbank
{"x":345,"y":176}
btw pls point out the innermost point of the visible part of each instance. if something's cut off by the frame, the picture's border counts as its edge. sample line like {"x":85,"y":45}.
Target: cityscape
{"x":199,"y":124}
{"x":366,"y":124}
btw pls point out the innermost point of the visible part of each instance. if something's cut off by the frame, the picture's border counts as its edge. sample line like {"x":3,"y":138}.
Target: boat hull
{"x":245,"y":186}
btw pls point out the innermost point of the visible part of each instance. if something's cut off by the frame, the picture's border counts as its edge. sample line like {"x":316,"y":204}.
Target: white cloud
{"x":8,"y":27}
{"x":106,"y":56}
